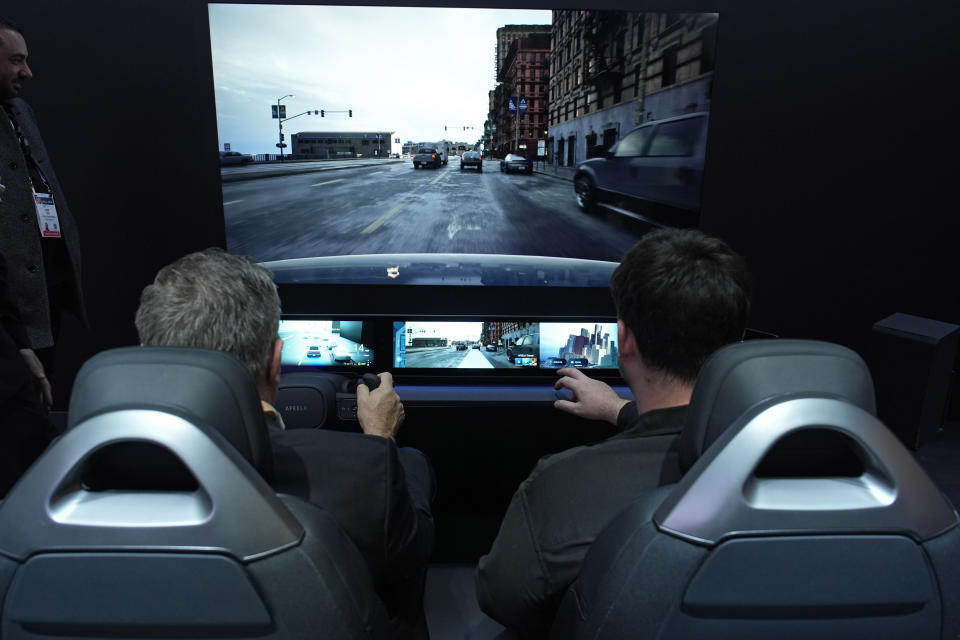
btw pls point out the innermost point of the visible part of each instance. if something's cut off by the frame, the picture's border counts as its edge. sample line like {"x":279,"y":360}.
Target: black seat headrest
{"x":206,"y":387}
{"x":743,"y":375}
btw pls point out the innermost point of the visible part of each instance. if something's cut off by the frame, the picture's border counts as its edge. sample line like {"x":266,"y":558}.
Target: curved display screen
{"x":510,"y":147}
{"x":504,"y":345}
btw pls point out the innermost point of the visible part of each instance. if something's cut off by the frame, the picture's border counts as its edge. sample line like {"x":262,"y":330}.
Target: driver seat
{"x":148,"y":518}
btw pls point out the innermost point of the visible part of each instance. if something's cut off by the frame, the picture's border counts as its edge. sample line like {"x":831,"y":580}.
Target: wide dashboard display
{"x":504,"y":345}
{"x":324,"y":343}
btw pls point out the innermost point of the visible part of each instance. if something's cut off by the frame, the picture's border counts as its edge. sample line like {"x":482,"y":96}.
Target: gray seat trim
{"x":721,"y":498}
{"x":233,"y":511}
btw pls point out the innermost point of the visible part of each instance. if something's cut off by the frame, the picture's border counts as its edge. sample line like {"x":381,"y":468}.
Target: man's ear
{"x":628,"y":342}
{"x":273,"y":371}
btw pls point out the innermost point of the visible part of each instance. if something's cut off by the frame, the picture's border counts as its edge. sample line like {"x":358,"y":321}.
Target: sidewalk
{"x":273,"y":169}
{"x":560,"y":173}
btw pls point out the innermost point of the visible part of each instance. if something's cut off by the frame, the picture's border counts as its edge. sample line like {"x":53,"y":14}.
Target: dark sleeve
{"x":409,"y":521}
{"x":360,"y":480}
{"x":512,"y":585}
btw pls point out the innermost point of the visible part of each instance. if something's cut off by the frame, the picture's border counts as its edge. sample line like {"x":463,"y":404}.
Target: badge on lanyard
{"x":47,"y":215}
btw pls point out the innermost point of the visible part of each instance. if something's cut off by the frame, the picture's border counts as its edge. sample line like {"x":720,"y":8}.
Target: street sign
{"x":282,"y":145}
{"x":541,"y":147}
{"x":512,"y":106}
{"x":282,"y":111}
{"x":523,"y":105}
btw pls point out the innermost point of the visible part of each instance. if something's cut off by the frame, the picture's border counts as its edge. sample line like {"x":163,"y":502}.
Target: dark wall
{"x":831,"y":159}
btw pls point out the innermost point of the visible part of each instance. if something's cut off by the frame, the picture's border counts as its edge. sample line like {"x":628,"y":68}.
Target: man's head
{"x":215,"y":300}
{"x":13,"y":60}
{"x":683,"y":295}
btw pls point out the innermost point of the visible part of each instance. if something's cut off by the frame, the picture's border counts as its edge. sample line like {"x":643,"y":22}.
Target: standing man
{"x":38,"y":235}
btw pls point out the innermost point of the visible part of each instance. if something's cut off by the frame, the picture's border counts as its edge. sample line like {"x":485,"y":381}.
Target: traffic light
{"x":444,"y":127}
{"x":283,"y":137}
{"x":350,"y":112}
{"x":321,"y":113}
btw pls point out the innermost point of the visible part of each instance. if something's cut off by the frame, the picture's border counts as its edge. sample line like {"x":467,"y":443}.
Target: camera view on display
{"x":323,"y":343}
{"x":578,"y":344}
{"x":499,"y":345}
{"x":341,"y":138}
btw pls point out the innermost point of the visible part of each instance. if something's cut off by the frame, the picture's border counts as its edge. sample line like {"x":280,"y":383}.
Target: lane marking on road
{"x":376,"y":173}
{"x":232,"y":202}
{"x":434,"y":181}
{"x":320,"y":184}
{"x":376,"y":224}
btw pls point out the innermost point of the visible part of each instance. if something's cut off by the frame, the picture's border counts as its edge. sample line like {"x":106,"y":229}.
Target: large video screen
{"x":488,"y":344}
{"x":416,"y":144}
{"x":323,"y":343}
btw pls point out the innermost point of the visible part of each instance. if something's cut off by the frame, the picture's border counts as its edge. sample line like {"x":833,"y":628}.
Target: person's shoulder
{"x":18,"y":107}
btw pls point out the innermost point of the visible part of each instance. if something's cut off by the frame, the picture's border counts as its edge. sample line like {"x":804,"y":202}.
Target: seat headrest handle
{"x":233,"y":510}
{"x":720,"y":497}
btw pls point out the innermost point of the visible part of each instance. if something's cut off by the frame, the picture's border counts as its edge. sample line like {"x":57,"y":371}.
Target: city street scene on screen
{"x":564,"y":134}
{"x":497,"y":345}
{"x":323,"y":343}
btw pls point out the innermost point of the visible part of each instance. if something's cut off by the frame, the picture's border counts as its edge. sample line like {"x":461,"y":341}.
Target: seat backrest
{"x":732,"y":553}
{"x":203,"y":386}
{"x":224,"y":557}
{"x":741,"y":376}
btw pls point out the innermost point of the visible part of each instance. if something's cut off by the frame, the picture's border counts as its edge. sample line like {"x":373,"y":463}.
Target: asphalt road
{"x":450,"y":358}
{"x":395,"y":208}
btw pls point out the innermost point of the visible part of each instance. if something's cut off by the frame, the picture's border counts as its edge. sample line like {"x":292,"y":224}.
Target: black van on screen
{"x":654,"y":172}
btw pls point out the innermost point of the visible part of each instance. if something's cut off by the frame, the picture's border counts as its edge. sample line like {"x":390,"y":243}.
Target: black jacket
{"x":20,"y":240}
{"x":560,"y":509}
{"x":360,"y":480}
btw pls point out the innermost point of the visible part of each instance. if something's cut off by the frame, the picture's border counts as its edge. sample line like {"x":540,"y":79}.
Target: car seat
{"x":202,"y":548}
{"x":758,"y":540}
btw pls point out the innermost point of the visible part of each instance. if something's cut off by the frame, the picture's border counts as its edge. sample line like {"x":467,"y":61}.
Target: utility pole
{"x":280,"y":114}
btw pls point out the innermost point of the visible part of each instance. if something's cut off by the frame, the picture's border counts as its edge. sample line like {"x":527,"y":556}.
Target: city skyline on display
{"x":362,"y":59}
{"x":556,"y":339}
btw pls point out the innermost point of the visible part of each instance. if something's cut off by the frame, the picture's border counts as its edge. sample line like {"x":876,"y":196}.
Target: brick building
{"x":523,"y":81}
{"x":612,"y":70}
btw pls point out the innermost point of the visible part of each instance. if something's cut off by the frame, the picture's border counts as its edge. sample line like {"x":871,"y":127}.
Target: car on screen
{"x":655,"y":171}
{"x":313,"y":351}
{"x":471,"y":159}
{"x":228,"y":158}
{"x":513,"y":163}
{"x":461,"y":347}
{"x":491,"y":347}
{"x":525,"y":346}
{"x":427,"y":157}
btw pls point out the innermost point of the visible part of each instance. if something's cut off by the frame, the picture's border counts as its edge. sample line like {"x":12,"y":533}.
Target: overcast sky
{"x":449,"y":330}
{"x":407,"y":70}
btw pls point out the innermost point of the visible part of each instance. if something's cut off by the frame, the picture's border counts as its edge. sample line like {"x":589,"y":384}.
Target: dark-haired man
{"x":680,"y":295}
{"x":379,"y":493}
{"x":38,"y":236}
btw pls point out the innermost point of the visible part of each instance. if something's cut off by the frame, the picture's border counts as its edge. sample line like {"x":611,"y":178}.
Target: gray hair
{"x":213,"y":300}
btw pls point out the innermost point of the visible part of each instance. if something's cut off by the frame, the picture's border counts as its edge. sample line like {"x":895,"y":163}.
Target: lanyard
{"x":27,"y":153}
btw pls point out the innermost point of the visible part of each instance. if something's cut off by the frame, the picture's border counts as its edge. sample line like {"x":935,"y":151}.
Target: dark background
{"x":831,"y":166}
